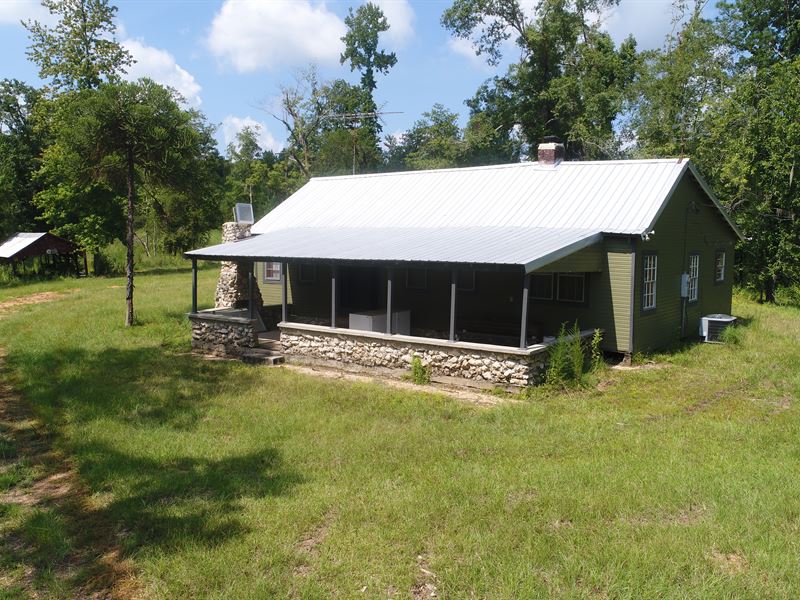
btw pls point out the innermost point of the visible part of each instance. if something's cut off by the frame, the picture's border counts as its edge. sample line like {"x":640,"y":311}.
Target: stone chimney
{"x":551,"y":151}
{"x":232,"y":287}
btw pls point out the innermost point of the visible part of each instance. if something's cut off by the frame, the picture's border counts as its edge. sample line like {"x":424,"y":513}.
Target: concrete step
{"x":262,"y":356}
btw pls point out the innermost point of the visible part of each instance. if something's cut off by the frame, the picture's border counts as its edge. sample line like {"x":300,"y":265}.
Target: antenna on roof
{"x":243,"y":213}
{"x":355,"y":119}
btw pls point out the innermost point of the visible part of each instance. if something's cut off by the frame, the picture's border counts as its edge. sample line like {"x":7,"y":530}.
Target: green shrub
{"x":420,"y":374}
{"x":596,"y":353}
{"x":577,"y":357}
{"x":558,"y":361}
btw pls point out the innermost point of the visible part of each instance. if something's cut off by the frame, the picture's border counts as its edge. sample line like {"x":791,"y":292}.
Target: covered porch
{"x":477,"y":321}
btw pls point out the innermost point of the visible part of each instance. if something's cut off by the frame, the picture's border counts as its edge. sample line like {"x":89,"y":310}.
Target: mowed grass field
{"x":212,"y":479}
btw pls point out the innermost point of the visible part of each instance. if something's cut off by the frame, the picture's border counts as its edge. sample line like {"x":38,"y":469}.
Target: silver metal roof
{"x":17,"y":242}
{"x":610,"y":196}
{"x":531,"y":247}
{"x":522,"y":214}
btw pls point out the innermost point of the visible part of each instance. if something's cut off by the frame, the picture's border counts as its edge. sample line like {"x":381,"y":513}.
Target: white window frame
{"x":272,"y":279}
{"x":694,"y":277}
{"x":582,"y":277}
{"x":649,"y":281}
{"x":719,"y":266}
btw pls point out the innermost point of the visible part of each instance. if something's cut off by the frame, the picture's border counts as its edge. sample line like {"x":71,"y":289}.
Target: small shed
{"x":53,"y":253}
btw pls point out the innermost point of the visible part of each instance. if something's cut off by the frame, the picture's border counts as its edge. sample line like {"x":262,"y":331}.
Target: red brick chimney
{"x":551,"y":151}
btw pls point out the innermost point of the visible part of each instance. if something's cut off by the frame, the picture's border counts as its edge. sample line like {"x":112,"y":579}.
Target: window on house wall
{"x":719,"y":266}
{"x":649,"y":281}
{"x":571,"y":287}
{"x":308,"y":273}
{"x":542,"y":286}
{"x":416,"y":279}
{"x":465,"y":280}
{"x":694,"y":276}
{"x":272,"y":272}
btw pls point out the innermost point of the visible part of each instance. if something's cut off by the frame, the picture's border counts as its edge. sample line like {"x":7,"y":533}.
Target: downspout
{"x":633,"y":295}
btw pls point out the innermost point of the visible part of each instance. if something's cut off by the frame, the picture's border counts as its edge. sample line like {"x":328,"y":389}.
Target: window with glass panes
{"x":649,"y":281}
{"x":719,"y":270}
{"x":694,"y":276}
{"x":272,"y":271}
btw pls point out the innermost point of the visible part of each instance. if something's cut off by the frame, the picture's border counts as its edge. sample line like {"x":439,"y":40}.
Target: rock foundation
{"x":479,"y":365}
{"x":222,"y":336}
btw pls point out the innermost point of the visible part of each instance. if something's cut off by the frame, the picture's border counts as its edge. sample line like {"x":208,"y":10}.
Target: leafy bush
{"x":420,"y":374}
{"x":596,"y":353}
{"x":567,"y":359}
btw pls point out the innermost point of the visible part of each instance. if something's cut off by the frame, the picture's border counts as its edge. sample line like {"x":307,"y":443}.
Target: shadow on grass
{"x":129,"y":501}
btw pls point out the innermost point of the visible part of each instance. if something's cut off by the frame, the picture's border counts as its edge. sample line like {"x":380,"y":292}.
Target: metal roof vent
{"x":243,"y":213}
{"x":712,"y":326}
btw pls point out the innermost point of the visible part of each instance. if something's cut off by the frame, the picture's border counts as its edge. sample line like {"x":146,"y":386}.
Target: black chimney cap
{"x":551,"y":139}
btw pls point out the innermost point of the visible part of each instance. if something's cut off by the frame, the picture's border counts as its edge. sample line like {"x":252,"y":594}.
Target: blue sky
{"x":229,"y":57}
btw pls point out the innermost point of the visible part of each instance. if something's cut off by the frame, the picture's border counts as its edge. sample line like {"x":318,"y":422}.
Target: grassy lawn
{"x":220,"y":480}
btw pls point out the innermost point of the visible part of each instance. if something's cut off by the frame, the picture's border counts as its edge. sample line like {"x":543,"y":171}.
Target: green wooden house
{"x":499,"y":257}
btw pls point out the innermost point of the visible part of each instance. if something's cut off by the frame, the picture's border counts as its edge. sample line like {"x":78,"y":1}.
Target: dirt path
{"x":86,"y":562}
{"x":459,"y":393}
{"x":13,"y":304}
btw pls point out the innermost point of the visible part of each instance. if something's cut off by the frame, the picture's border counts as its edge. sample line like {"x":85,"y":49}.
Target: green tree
{"x":80,"y":51}
{"x":121,"y":136}
{"x":20,"y":147}
{"x":361,"y":44}
{"x":570,"y":81}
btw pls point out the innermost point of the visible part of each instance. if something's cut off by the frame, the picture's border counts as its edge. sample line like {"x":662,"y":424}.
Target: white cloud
{"x":253,"y":35}
{"x":231,"y":125}
{"x":14,"y":11}
{"x":466,"y":49}
{"x":160,"y":66}
{"x":400,"y":16}
{"x":649,"y":22}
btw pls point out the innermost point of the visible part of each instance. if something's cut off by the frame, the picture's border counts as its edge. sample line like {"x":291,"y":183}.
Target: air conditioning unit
{"x":712,"y":326}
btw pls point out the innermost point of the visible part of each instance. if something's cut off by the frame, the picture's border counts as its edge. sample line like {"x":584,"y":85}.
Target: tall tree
{"x":20,"y":147}
{"x":364,"y":27}
{"x":80,"y":51}
{"x":570,"y":80}
{"x":124,"y":135}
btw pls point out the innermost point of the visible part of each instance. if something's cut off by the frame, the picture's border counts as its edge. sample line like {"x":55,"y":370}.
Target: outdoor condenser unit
{"x":712,"y":326}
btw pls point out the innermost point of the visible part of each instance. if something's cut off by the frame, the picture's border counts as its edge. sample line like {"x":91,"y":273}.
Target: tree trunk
{"x":130,"y":240}
{"x":771,"y":285}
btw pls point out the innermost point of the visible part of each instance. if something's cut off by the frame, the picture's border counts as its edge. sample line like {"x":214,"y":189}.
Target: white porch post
{"x":284,"y":294}
{"x":251,"y":291}
{"x":453,"y":283}
{"x":334,"y":273}
{"x":523,"y":332}
{"x":389,"y":275}
{"x":194,"y":285}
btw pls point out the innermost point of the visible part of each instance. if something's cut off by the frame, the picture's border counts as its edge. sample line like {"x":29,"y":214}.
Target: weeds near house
{"x":597,"y":361}
{"x":732,"y":334}
{"x":420,"y":374}
{"x":567,"y":358}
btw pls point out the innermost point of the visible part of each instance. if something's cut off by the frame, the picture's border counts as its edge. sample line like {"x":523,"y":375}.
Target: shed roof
{"x":521,"y":214}
{"x":24,"y":244}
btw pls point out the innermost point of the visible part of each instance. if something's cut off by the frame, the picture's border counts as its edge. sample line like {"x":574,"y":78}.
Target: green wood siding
{"x":690,"y":224}
{"x":271,"y":290}
{"x":589,"y":259}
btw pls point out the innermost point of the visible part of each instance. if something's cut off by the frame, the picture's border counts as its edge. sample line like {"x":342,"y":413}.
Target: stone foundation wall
{"x":480,"y":365}
{"x":232,"y":287}
{"x":222,"y":336}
